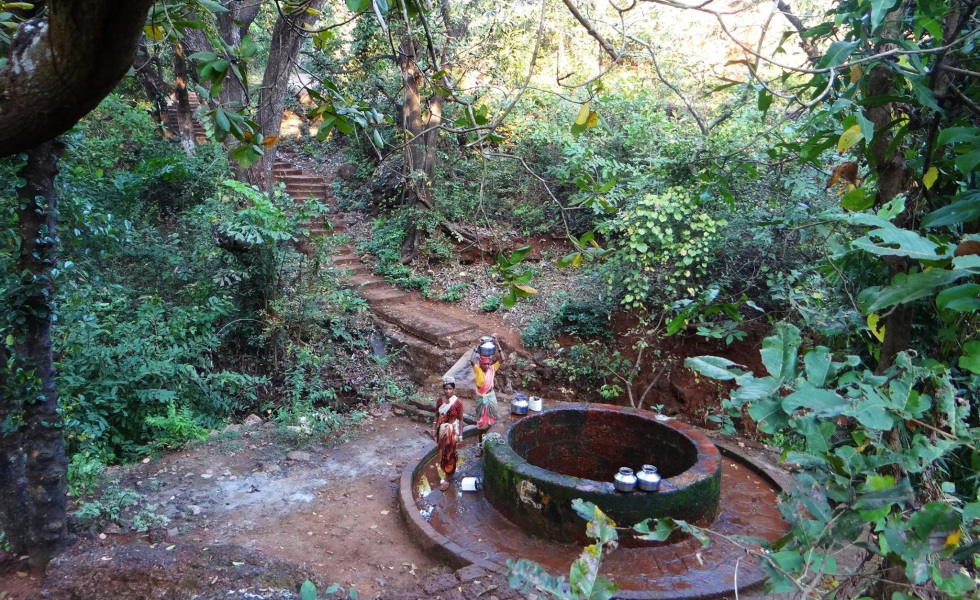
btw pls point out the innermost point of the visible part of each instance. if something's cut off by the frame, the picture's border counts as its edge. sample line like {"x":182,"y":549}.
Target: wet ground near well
{"x":682,"y":569}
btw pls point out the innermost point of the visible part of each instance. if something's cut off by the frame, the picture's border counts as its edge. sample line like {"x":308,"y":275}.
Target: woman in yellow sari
{"x":484,"y":370}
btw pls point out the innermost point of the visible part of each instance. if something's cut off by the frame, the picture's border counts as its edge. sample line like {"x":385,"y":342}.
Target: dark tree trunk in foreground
{"x":185,"y":120}
{"x":61,"y":65}
{"x":287,"y":35}
{"x":34,"y":462}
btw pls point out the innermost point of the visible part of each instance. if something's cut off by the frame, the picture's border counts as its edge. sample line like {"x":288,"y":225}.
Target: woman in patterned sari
{"x":449,"y":429}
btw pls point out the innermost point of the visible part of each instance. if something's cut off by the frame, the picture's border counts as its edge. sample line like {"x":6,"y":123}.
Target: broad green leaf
{"x":967,"y":163}
{"x":969,"y":262}
{"x":964,"y":208}
{"x":818,"y":366}
{"x":961,"y":298}
{"x":837,"y":54}
{"x":583,"y":115}
{"x":871,"y":410}
{"x":751,"y":389}
{"x":857,"y":199}
{"x":820,"y":403}
{"x":900,"y":242}
{"x":765,"y":100}
{"x":526,"y":575}
{"x":204,"y":57}
{"x":905,"y":289}
{"x":851,"y":136}
{"x":779,"y":351}
{"x":307,"y":591}
{"x":714,"y":367}
{"x":959,"y":135}
{"x":213,"y":7}
{"x":971,"y":359}
{"x":358,"y":6}
{"x":768,"y":413}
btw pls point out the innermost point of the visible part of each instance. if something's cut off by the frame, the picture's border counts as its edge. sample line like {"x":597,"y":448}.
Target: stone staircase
{"x":200,"y":135}
{"x":430,"y":342}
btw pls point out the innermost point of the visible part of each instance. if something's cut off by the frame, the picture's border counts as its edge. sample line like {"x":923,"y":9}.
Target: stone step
{"x":366,"y":281}
{"x":347,"y":259}
{"x":319,"y":192}
{"x":304,"y":178}
{"x":430,"y":325}
{"x":384,"y":297}
{"x":356,"y":270}
{"x":419,"y":356}
{"x":300,"y":196}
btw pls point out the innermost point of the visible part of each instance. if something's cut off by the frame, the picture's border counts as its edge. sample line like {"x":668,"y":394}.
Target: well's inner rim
{"x":595,"y":444}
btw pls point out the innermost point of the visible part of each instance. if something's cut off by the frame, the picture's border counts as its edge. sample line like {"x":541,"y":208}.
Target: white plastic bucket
{"x":470,"y":484}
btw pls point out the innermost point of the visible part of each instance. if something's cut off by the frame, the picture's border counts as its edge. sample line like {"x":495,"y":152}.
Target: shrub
{"x":667,"y":244}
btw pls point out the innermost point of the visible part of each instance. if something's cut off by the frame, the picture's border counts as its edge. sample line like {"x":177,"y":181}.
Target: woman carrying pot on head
{"x":449,"y":429}
{"x":484,"y":369}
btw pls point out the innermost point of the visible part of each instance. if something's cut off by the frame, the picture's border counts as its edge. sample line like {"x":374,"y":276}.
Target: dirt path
{"x":432,"y":336}
{"x":330,"y":509}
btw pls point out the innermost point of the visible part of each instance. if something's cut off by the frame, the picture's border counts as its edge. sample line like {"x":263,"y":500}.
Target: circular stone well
{"x":545,"y":461}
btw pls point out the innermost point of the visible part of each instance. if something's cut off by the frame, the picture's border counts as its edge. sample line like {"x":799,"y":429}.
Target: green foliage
{"x":84,"y":472}
{"x":177,"y":428}
{"x":148,"y":519}
{"x":584,"y":580}
{"x":108,"y":508}
{"x":491,"y":304}
{"x":308,"y":591}
{"x":586,"y":319}
{"x":386,"y":240}
{"x":515,"y":278}
{"x":714,"y":320}
{"x":877,"y":453}
{"x":668,"y":239}
{"x":539,"y":332}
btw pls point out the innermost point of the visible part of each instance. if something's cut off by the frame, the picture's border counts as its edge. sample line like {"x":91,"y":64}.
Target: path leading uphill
{"x":433,"y":338}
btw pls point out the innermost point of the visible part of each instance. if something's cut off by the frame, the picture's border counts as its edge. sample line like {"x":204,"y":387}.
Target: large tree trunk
{"x":61,"y":65}
{"x":185,"y":120}
{"x":34,"y":516}
{"x":150,"y":74}
{"x":420,"y":152}
{"x":287,"y":36}
{"x":233,"y":25}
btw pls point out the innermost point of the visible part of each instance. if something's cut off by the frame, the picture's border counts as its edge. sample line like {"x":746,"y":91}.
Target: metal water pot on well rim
{"x":625,"y":480}
{"x":519,"y":405}
{"x":648,"y":479}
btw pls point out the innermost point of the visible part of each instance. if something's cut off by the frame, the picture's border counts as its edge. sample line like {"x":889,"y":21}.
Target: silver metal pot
{"x":486,"y":348}
{"x":625,"y":480}
{"x":518,"y":406}
{"x":648,"y":479}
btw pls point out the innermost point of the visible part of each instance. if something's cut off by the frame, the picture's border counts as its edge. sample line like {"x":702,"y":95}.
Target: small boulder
{"x":252,"y":420}
{"x":299,"y":456}
{"x":347,"y":172}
